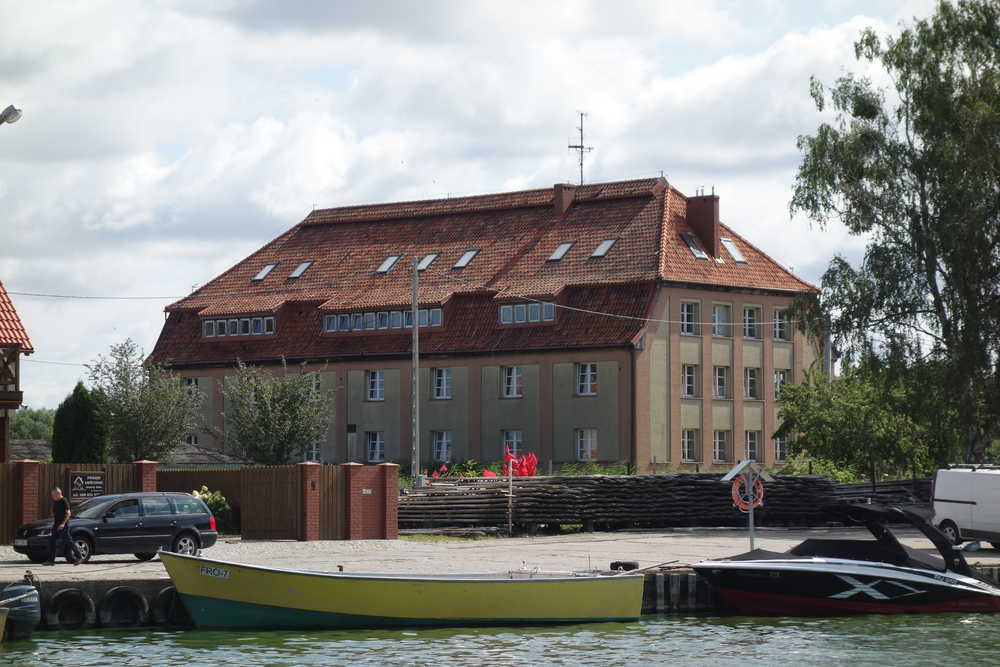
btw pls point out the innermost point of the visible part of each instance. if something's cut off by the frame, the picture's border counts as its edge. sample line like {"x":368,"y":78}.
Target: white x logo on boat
{"x":859,"y":588}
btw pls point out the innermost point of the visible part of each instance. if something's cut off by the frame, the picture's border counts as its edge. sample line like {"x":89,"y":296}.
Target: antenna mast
{"x":580,"y":147}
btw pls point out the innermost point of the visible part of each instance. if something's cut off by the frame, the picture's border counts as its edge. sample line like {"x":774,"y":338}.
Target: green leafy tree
{"x":915,"y":168}
{"x":850,"y":420}
{"x":79,"y":434}
{"x":147,"y":409}
{"x":273,"y":418}
{"x":31,"y":424}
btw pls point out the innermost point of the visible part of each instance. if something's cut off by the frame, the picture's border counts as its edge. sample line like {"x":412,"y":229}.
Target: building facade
{"x":612,"y":321}
{"x":13,"y":344}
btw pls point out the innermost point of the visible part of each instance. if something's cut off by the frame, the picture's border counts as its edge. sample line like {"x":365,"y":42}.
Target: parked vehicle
{"x":966,"y":503}
{"x":127,"y":523}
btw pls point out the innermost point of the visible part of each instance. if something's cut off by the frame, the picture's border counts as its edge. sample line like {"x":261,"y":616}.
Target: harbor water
{"x":657,"y":640}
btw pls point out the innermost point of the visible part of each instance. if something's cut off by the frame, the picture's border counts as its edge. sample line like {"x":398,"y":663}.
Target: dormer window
{"x":464,"y":260}
{"x":427,"y":260}
{"x":603,"y":248}
{"x":733,"y":251}
{"x":387,"y":265}
{"x":263,"y":272}
{"x":696,"y":250}
{"x":560,"y":251}
{"x":300,"y":269}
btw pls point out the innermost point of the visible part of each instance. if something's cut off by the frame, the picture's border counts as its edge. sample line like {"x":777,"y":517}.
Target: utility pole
{"x":580,"y":147}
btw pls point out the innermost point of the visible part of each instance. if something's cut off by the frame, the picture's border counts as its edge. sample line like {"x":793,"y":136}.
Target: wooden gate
{"x":8,"y":502}
{"x":271,"y":502}
{"x":332,"y":504}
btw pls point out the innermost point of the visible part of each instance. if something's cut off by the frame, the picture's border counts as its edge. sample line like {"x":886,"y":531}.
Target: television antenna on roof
{"x":580,"y":147}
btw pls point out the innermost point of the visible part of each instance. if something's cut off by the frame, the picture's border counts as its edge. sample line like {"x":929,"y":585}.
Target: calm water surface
{"x":867,"y":640}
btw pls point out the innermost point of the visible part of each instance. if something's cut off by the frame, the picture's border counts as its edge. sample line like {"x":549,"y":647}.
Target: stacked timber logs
{"x":894,"y":492}
{"x":678,"y":499}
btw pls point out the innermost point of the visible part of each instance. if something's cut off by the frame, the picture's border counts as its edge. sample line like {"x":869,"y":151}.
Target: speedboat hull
{"x":218,"y":594}
{"x":821,"y":587}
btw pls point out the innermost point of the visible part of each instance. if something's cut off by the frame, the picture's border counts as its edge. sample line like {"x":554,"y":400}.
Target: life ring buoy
{"x":70,"y":609}
{"x":168,"y":608}
{"x":123,"y":607}
{"x":742,"y":499}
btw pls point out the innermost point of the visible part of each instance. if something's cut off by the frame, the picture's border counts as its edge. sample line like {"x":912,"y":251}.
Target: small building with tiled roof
{"x":610,"y":321}
{"x":13,"y":343}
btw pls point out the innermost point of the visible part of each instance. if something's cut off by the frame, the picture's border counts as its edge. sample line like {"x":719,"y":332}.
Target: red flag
{"x":488,"y":473}
{"x":508,"y":457}
{"x":435,"y":474}
{"x":443,"y":468}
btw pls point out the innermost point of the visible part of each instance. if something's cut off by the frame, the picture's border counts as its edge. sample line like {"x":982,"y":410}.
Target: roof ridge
{"x":732,"y":232}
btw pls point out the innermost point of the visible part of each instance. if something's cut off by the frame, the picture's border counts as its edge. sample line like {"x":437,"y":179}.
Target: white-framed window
{"x":751,"y":323}
{"x":689,"y":385}
{"x":191,"y":439}
{"x":586,"y":379}
{"x":719,"y":446}
{"x":344,"y":322}
{"x":369,"y":321}
{"x":534,"y":312}
{"x":331,"y":323}
{"x":720,"y":321}
{"x":192,"y":386}
{"x":220,"y":328}
{"x":256,"y":325}
{"x":437,"y":317}
{"x":512,"y":442}
{"x":560,"y":251}
{"x":245,"y":327}
{"x":442,"y":384}
{"x":512,"y":382}
{"x":312,"y":454}
{"x":268,"y":325}
{"x":427,"y":260}
{"x":442,"y":445}
{"x":586,"y":444}
{"x":396,"y":320}
{"x":387,"y":265}
{"x":382,"y":320}
{"x":751,"y":389}
{"x":689,"y":438}
{"x":297,"y":273}
{"x":603,"y":248}
{"x":719,"y":382}
{"x":357,"y":322}
{"x":548,"y":311}
{"x":376,"y":446}
{"x":781,"y":325}
{"x":506,"y":314}
{"x":733,"y":251}
{"x":693,"y":246}
{"x":263,"y":272}
{"x":408,"y":319}
{"x":466,"y":257}
{"x":208,"y":328}
{"x":780,"y":380}
{"x":750,"y":445}
{"x":375,"y":381}
{"x":689,"y":319}
{"x":780,"y":449}
{"x":234,"y":327}
{"x":520,"y":313}
{"x":423,"y":317}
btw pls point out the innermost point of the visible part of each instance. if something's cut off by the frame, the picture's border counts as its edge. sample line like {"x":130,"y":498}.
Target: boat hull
{"x":220,"y":595}
{"x":826,"y":587}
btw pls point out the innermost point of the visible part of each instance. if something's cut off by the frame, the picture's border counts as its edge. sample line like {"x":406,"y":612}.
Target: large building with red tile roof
{"x":13,"y":343}
{"x":610,"y":321}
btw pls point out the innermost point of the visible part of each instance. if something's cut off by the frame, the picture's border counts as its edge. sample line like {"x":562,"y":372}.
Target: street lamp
{"x":10,"y":115}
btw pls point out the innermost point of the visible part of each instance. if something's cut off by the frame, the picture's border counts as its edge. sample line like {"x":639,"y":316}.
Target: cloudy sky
{"x":162,"y":142}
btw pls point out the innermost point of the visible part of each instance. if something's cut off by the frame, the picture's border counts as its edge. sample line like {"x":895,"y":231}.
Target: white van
{"x":966,"y":502}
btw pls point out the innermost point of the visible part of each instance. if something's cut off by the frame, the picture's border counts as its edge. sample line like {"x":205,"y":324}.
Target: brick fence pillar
{"x":27,"y":491}
{"x":353,"y":513}
{"x":309,"y":475}
{"x":390,"y":481}
{"x":145,"y":476}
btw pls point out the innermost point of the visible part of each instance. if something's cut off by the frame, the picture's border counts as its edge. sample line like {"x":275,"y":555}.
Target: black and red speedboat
{"x":822,"y":577}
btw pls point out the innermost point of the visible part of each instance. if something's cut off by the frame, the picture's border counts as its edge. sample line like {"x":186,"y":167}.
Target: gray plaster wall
{"x":450,"y":414}
{"x":572,"y":412}
{"x":373,"y":415}
{"x":510,"y":414}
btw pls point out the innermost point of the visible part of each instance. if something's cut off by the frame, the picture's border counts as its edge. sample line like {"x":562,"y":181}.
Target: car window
{"x":187,"y":506}
{"x":90,"y":510}
{"x":155,"y":506}
{"x":126,"y":508}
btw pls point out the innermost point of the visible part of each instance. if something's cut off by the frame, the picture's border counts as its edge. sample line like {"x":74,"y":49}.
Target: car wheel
{"x":37,"y":558}
{"x":86,"y":549}
{"x":950,"y":531}
{"x":185,"y":543}
{"x":145,"y":556}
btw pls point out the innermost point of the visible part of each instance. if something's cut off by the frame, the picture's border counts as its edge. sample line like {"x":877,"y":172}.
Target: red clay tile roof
{"x":515,"y":233}
{"x":11,"y":329}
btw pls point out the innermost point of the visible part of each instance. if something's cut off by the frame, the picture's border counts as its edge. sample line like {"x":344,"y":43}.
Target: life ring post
{"x":747,"y":488}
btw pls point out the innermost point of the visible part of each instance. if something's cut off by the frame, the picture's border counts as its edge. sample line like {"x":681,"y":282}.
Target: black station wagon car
{"x":127,"y":523}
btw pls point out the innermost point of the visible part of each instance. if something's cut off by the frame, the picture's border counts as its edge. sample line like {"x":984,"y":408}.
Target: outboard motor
{"x":24,"y":613}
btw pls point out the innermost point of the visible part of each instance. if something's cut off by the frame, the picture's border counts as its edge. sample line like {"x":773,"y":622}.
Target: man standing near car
{"x":60,"y":528}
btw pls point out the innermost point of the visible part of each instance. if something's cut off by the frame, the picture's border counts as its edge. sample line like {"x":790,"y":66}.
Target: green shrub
{"x":220,"y":509}
{"x":799,"y":465}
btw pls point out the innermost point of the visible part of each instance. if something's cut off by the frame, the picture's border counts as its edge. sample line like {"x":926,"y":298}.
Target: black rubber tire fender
{"x":70,"y":609}
{"x":169,"y":609}
{"x":123,"y":607}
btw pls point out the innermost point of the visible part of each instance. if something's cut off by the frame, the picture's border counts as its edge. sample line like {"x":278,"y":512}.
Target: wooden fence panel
{"x":271,"y":503}
{"x":227,"y":480}
{"x":8,"y":502}
{"x":332,"y":504}
{"x":118,"y":478}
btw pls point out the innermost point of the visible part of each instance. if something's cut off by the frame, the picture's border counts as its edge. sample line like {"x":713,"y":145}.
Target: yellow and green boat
{"x":218,"y":594}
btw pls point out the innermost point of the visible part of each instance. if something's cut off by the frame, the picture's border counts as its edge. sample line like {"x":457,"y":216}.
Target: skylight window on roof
{"x":263,"y":272}
{"x":696,"y":250}
{"x":560,"y":251}
{"x":603,"y":248}
{"x":733,"y":251}
{"x":464,"y":260}
{"x":387,"y":265}
{"x":427,"y":260}
{"x":301,"y":268}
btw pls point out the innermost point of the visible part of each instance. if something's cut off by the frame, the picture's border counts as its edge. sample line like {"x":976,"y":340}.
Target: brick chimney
{"x":703,"y":216}
{"x":563,"y":199}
